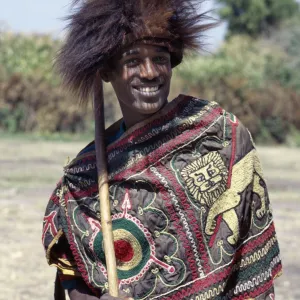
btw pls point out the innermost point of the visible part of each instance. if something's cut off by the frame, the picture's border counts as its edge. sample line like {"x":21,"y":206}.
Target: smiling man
{"x":190,"y":209}
{"x":141,"y":78}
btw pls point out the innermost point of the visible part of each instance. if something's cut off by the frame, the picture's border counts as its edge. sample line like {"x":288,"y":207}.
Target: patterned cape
{"x":190,"y":210}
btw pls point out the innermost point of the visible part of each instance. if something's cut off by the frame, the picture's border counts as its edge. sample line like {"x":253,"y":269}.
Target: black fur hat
{"x":98,"y":29}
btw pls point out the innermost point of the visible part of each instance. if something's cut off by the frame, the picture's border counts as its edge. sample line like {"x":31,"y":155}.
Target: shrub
{"x":29,"y":55}
{"x":243,"y":77}
{"x":31,"y":98}
{"x":31,"y":104}
{"x":253,"y":79}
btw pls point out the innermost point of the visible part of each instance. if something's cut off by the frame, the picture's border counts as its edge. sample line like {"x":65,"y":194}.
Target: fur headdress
{"x":98,"y":29}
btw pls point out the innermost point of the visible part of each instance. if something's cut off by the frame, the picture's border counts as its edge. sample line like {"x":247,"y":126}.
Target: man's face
{"x":141,"y":79}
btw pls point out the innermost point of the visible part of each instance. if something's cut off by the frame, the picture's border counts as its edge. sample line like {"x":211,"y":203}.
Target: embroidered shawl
{"x":190,"y":210}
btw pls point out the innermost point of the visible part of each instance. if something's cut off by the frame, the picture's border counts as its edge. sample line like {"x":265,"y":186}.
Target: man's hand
{"x":82,"y":292}
{"x":122,"y":296}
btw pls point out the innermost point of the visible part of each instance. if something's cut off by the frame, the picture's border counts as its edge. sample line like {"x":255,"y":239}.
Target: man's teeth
{"x":148,"y":90}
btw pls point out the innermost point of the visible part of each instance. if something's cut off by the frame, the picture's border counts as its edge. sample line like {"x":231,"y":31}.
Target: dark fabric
{"x":59,"y":292}
{"x":190,"y":209}
{"x":110,"y":139}
{"x":70,"y":283}
{"x":81,"y":292}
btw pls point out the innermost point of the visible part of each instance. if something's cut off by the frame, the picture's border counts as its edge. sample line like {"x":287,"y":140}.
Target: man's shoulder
{"x":88,"y":149}
{"x":198,"y":103}
{"x":227,"y":124}
{"x":84,"y":161}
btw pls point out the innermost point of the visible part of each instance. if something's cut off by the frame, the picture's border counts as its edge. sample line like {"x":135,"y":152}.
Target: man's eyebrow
{"x":136,"y":51}
{"x":161,"y":49}
{"x":131,"y":52}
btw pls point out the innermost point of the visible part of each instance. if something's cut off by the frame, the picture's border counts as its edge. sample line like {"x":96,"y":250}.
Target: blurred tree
{"x":29,"y":55}
{"x":258,"y":80}
{"x":288,"y":39}
{"x":244,"y":76}
{"x":256,"y":17}
{"x":31,"y":96}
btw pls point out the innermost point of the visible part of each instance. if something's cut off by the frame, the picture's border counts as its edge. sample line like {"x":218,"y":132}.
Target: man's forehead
{"x":141,"y":48}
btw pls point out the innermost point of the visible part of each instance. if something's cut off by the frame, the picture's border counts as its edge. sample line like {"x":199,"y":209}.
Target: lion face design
{"x":206,"y":178}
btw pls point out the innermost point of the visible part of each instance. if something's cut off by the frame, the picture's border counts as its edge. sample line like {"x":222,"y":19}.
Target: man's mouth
{"x":148,"y":91}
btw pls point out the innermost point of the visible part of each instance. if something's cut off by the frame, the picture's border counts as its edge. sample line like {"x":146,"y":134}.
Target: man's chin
{"x":151,"y":107}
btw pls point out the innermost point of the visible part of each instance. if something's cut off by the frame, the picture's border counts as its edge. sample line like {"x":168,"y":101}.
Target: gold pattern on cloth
{"x":66,"y":266}
{"x":259,"y":190}
{"x":121,"y":234}
{"x":246,"y":171}
{"x":206,"y":178}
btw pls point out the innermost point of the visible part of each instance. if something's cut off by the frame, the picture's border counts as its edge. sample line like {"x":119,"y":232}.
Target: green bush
{"x":32,"y":104}
{"x":241,"y":58}
{"x":243,"y":76}
{"x":31,"y":98}
{"x":256,"y":17}
{"x":29,"y":55}
{"x":287,"y":38}
{"x":253,"y":79}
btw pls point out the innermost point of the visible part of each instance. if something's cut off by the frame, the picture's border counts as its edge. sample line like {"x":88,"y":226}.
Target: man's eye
{"x":160,"y":60}
{"x":132,"y":62}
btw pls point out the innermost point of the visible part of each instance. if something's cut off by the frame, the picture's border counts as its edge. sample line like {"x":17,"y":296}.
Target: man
{"x":190,"y":208}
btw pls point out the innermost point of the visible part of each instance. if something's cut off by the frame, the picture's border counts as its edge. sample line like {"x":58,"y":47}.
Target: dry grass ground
{"x":28,"y":173}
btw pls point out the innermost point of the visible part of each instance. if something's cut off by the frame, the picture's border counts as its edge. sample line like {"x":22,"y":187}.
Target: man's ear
{"x":105,"y":76}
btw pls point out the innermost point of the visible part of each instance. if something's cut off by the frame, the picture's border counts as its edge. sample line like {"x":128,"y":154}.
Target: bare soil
{"x":29,"y":171}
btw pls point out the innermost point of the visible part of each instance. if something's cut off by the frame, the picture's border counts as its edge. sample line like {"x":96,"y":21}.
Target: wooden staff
{"x":106,"y":223}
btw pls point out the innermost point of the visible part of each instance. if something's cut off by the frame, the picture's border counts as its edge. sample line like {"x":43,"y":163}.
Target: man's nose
{"x":149,"y":70}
